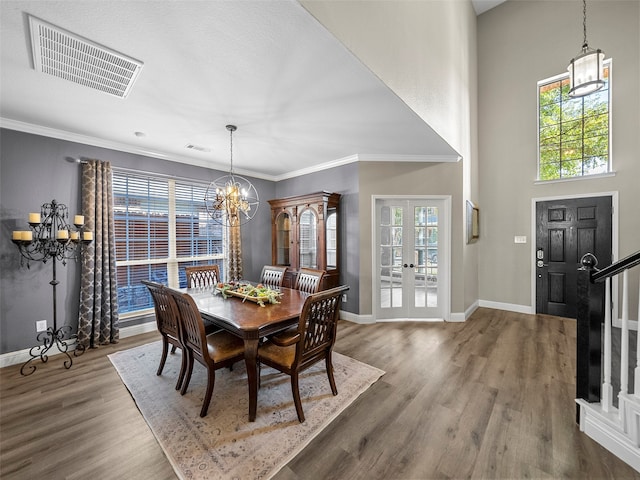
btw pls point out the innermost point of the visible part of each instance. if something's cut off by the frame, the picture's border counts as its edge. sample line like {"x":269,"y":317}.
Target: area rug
{"x":224,"y":444}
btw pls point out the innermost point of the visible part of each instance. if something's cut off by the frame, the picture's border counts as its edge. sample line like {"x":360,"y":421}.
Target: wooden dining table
{"x":251,"y":322}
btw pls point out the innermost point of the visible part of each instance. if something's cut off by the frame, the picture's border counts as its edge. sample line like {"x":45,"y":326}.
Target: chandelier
{"x":231,"y":200}
{"x":586,"y":70}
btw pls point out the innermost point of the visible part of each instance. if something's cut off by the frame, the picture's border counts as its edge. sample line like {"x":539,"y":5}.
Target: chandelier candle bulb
{"x":87,"y":236}
{"x":75,"y":236}
{"x":63,"y":235}
{"x":16,"y":235}
{"x":34,"y":218}
{"x":78,"y":220}
{"x":27,"y":236}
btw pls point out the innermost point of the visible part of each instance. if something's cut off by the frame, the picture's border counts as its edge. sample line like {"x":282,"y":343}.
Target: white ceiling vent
{"x":198,"y":148}
{"x":69,"y":56}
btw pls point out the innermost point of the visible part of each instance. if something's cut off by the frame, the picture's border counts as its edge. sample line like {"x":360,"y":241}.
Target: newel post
{"x":589,"y":333}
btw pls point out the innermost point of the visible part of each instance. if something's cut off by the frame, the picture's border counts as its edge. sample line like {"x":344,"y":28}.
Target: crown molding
{"x":125,"y":147}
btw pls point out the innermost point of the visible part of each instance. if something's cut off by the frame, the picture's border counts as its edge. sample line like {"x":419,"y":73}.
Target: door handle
{"x":541,"y":264}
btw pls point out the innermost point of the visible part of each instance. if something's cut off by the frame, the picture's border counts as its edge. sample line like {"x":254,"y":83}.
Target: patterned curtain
{"x":234,"y":254}
{"x":98,"y":323}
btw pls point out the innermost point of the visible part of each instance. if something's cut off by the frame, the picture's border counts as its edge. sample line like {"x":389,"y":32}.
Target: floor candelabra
{"x":52,"y":238}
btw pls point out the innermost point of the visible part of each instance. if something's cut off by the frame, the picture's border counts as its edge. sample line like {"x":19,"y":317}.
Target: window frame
{"x":608,"y":63}
{"x":173,"y":261}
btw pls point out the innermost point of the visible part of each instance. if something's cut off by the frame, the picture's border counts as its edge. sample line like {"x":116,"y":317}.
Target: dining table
{"x":250,"y":321}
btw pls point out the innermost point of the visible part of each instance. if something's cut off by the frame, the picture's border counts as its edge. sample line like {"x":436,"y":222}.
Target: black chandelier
{"x":586,"y":70}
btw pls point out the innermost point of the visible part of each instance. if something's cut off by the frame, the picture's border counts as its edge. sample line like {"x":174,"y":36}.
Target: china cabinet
{"x":305,"y":234}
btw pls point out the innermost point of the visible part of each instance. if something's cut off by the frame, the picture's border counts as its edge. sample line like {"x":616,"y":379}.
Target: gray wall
{"x":343,"y":180}
{"x":34,"y":170}
{"x":520,"y":43}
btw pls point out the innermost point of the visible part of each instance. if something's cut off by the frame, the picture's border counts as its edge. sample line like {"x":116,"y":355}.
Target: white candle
{"x":75,"y":236}
{"x":63,"y":234}
{"x":87,"y":236}
{"x":28,"y":235}
{"x":34,"y":218}
{"x":16,"y":235}
{"x":78,"y":220}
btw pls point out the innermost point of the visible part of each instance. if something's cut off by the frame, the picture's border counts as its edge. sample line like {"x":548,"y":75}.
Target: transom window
{"x":161,"y":226}
{"x":573,"y":133}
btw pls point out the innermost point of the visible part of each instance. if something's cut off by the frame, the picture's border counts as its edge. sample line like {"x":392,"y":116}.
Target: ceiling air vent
{"x":69,"y":56}
{"x":198,"y":148}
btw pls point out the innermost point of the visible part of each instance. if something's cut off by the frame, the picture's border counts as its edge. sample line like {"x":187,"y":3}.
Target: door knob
{"x":405,"y":265}
{"x":411,"y":265}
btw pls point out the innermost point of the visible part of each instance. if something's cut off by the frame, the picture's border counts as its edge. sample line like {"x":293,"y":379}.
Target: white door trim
{"x":447,"y":257}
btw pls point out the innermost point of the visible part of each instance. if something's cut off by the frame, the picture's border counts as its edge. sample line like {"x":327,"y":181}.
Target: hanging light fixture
{"x":586,"y":70}
{"x":231,"y":200}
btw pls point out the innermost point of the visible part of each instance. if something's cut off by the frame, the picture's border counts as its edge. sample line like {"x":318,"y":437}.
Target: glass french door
{"x":411,"y":272}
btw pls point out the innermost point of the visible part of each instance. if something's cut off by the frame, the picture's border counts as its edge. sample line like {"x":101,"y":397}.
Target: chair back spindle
{"x":309,"y":281}
{"x":202,"y":276}
{"x":272,"y":276}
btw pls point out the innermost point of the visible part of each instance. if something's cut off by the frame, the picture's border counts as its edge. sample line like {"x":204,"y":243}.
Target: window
{"x":573,"y":133}
{"x":161,"y":226}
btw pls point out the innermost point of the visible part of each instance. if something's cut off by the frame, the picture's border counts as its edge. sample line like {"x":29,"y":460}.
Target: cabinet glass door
{"x":283,"y":239}
{"x":308,"y":239}
{"x":332,"y":239}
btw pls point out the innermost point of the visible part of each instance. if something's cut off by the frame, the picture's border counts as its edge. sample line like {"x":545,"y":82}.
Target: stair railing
{"x":594,"y":309}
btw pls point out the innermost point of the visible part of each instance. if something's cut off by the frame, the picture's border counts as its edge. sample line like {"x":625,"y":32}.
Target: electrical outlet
{"x":41,"y":326}
{"x":344,"y":297}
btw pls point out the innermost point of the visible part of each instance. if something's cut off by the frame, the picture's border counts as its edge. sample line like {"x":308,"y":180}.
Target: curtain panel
{"x":234,"y":254}
{"x":98,"y":323}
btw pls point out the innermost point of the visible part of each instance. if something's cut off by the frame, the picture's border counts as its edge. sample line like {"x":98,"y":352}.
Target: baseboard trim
{"x":604,"y":429}
{"x":511,"y":307}
{"x":21,"y":356}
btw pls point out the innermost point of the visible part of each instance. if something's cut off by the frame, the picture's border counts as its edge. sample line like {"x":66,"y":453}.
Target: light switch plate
{"x":520,"y":239}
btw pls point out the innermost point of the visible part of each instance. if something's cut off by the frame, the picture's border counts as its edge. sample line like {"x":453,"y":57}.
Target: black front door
{"x":565,"y":230}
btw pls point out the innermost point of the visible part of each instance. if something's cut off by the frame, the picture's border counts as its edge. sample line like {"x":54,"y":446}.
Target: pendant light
{"x":231,"y":200}
{"x":586,"y":70}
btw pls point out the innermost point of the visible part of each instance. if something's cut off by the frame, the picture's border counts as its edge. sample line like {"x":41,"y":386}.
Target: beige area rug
{"x":224,"y":444}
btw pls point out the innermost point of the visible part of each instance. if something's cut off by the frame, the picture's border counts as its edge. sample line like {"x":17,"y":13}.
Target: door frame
{"x":446,"y":309}
{"x":614,"y":240}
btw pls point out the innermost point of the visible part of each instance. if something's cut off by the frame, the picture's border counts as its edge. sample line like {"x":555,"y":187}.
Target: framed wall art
{"x":473,"y":222}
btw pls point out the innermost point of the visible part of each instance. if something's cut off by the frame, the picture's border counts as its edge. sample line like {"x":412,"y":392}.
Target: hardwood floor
{"x":489,"y":398}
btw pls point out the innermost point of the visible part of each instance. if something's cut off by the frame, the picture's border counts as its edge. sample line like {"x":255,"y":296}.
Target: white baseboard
{"x":511,"y":307}
{"x":21,"y":356}
{"x":605,"y":429}
{"x":355,"y":318}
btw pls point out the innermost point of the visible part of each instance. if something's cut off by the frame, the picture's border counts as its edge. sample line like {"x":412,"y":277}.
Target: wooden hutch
{"x":305,"y":233}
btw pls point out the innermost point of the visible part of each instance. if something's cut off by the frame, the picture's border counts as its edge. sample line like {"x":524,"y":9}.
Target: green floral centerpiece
{"x":259,"y":293}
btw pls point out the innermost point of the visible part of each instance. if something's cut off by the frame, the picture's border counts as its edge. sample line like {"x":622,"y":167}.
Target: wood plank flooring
{"x":488,"y":398}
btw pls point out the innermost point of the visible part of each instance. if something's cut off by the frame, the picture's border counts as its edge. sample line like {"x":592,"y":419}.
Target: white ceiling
{"x":481,"y":6}
{"x":300,"y":99}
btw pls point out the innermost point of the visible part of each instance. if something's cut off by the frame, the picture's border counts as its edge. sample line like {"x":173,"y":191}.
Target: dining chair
{"x":213,"y":351}
{"x":168,"y":325}
{"x":313,"y":342}
{"x":272,"y":276}
{"x":309,"y":280}
{"x":202,"y":275}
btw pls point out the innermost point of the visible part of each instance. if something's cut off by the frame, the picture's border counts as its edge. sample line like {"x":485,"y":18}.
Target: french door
{"x":411,"y":258}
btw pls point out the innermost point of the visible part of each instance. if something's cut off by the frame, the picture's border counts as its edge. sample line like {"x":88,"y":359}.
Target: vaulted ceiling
{"x":300,"y":99}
